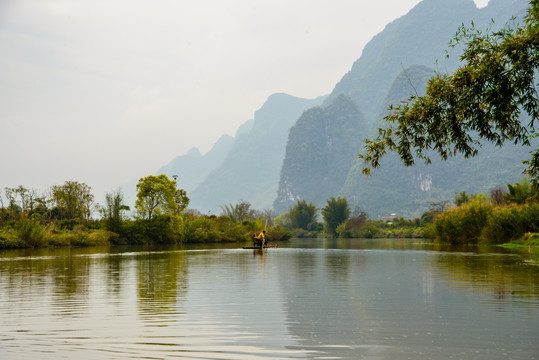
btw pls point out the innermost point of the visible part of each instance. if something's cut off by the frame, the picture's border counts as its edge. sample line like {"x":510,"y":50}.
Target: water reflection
{"x":342,"y":299}
{"x":161,"y":283}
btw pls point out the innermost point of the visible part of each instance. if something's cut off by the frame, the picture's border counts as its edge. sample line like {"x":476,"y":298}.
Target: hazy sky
{"x":106,"y":91}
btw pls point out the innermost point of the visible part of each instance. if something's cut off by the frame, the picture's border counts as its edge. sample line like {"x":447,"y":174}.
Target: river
{"x":306,"y":299}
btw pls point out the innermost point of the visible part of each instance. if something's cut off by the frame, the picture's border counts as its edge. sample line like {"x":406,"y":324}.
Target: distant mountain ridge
{"x":192,"y":168}
{"x":288,"y":151}
{"x":250,"y":170}
{"x":396,"y":64}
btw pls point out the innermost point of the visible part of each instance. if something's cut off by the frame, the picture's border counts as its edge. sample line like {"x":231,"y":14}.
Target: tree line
{"x":63,"y":217}
{"x":502,"y":216}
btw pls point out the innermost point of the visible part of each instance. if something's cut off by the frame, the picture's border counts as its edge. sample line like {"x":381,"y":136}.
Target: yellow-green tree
{"x":73,"y":199}
{"x":159,"y":195}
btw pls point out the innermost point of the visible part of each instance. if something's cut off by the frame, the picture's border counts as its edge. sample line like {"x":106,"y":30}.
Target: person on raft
{"x":262,"y":238}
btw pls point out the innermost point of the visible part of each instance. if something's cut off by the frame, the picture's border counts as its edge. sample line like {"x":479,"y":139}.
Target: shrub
{"x":9,"y":239}
{"x":102,"y":237}
{"x":368,"y":231}
{"x":342,"y":230}
{"x":429,"y":231}
{"x":60,"y":239}
{"x":300,"y":233}
{"x":508,"y":223}
{"x":31,"y":232}
{"x":463,"y":225}
{"x":278,"y":234}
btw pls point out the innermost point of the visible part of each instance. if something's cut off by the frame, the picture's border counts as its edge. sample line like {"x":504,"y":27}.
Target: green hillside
{"x":320,"y":151}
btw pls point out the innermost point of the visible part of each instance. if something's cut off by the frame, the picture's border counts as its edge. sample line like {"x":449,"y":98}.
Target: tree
{"x":159,"y":195}
{"x":240,"y":212}
{"x":11,"y":197}
{"x":113,"y":211}
{"x":497,"y":195}
{"x":521,"y":192}
{"x":462,"y":198}
{"x":303,"y":215}
{"x":73,"y":199}
{"x":335,"y":213}
{"x":481,"y":101}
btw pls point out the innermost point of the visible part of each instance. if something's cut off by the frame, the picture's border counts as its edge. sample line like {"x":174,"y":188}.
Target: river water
{"x":306,"y":299}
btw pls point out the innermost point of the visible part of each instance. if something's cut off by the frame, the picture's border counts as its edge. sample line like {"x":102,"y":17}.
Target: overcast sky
{"x":106,"y":91}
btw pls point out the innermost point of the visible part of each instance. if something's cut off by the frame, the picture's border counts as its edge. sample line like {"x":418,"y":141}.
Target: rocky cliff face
{"x":321,"y":148}
{"x":395,"y":65}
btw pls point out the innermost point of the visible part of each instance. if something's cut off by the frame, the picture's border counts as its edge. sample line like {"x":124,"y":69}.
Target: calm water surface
{"x":307,"y":299}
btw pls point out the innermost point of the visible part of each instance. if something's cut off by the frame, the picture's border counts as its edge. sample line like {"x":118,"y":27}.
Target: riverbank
{"x":164,"y":229}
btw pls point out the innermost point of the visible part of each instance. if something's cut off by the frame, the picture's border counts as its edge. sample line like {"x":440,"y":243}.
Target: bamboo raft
{"x":259,"y":248}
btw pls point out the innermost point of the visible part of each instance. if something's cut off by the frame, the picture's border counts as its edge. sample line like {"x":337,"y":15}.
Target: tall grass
{"x":463,"y":224}
{"x":31,"y":232}
{"x":511,"y":222}
{"x":480,"y":221}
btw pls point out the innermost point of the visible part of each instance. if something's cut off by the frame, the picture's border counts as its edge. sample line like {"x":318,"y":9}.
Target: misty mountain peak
{"x":193,"y":152}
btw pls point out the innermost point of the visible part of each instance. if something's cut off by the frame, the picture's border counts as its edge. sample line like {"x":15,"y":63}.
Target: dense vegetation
{"x":497,"y":219}
{"x":63,"y":218}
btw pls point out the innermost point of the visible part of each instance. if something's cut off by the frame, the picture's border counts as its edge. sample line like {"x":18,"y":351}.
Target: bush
{"x":368,"y":231}
{"x":429,"y":231}
{"x":199,"y":229}
{"x":161,"y":229}
{"x":342,"y":230}
{"x":278,"y":234}
{"x":463,"y":225}
{"x":300,"y":233}
{"x":31,"y":232}
{"x":509,"y":223}
{"x":9,"y":239}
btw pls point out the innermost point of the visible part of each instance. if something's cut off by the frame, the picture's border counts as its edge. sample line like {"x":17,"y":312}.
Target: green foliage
{"x":368,"y":231}
{"x":160,"y":229}
{"x":113,"y":211}
{"x":353,"y":226}
{"x":239,"y":212}
{"x":9,"y":239}
{"x":342,"y":231}
{"x":303,"y":215}
{"x":31,"y":232}
{"x":73,"y":200}
{"x":284,"y":220}
{"x":80,"y":237}
{"x":509,"y":223}
{"x":464,"y":224}
{"x":429,"y":231}
{"x":278,"y":234}
{"x":335,"y":213}
{"x":521,"y":193}
{"x":483,"y":99}
{"x":56,"y":227}
{"x":461,"y":198}
{"x":158,"y":195}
